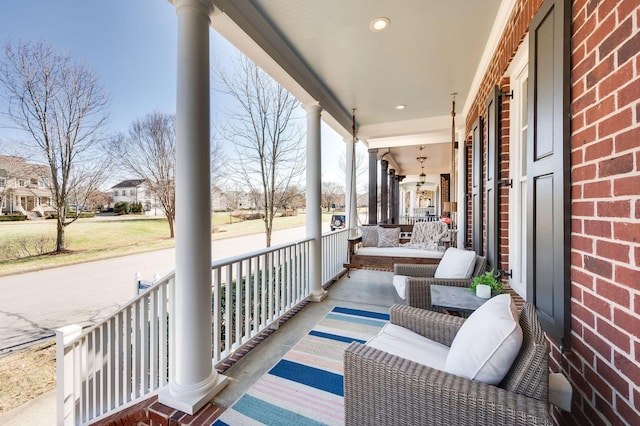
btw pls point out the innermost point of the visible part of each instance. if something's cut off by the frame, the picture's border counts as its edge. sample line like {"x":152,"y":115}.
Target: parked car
{"x":338,"y":221}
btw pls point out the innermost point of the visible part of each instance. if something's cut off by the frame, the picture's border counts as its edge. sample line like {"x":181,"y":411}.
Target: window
{"x":115,"y":193}
{"x":22,"y":183}
{"x":3,"y":182}
{"x":132,"y":192}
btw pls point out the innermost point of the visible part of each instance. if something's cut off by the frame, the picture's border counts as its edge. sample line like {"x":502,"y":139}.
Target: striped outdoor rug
{"x":306,"y":386}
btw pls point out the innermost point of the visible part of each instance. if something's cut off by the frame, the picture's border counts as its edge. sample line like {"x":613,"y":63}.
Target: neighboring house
{"x":137,"y":191}
{"x":231,"y":200}
{"x":25,"y":188}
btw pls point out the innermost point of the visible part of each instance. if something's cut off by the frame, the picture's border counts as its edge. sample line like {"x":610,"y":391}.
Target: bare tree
{"x":331,"y":194}
{"x":362,"y":168}
{"x":62,"y":108}
{"x":149,"y":152}
{"x":268,"y":143}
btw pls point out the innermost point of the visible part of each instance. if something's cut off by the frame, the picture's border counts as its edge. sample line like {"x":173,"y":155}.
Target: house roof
{"x":131,"y":183}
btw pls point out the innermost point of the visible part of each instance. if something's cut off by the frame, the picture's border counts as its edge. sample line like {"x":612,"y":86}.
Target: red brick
{"x":620,"y":121}
{"x":584,"y":315}
{"x":625,"y":231}
{"x":602,"y":70}
{"x":600,"y":32}
{"x":613,"y":293}
{"x":605,"y":409}
{"x":597,"y":228}
{"x":581,"y":279}
{"x":620,"y":339}
{"x":599,"y":150}
{"x":597,"y":382}
{"x":626,"y":186}
{"x":616,"y":166}
{"x":600,"y":110}
{"x":582,"y":208}
{"x":597,"y":305}
{"x":629,"y":49}
{"x":615,"y":38}
{"x":580,"y":70}
{"x":628,"y":277}
{"x":612,"y":377}
{"x":629,"y":139}
{"x":625,"y":411}
{"x":597,"y":189}
{"x":581,"y":243}
{"x":627,"y":322}
{"x":620,"y":208}
{"x":629,"y":93}
{"x":587,"y":172}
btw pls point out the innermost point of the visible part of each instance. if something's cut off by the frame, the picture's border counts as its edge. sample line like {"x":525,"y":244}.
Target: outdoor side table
{"x":454,"y":299}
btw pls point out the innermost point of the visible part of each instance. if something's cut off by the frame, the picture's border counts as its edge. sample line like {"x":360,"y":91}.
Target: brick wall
{"x":604,"y":362}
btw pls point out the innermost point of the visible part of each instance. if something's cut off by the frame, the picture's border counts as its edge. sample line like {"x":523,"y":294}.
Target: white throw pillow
{"x":388,"y":237}
{"x":400,"y":283}
{"x":456,"y":263}
{"x":369,"y":236}
{"x":487,"y":343}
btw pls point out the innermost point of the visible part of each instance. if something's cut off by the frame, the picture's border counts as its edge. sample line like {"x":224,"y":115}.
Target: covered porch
{"x":525,"y":163}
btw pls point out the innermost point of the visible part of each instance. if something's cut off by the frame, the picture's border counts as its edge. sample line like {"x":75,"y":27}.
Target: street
{"x":34,"y":304}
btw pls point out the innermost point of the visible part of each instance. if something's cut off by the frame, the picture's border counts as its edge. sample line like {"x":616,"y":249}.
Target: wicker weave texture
{"x":384,"y":389}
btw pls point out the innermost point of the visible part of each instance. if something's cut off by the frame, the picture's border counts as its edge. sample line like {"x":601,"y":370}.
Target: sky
{"x":132,"y":47}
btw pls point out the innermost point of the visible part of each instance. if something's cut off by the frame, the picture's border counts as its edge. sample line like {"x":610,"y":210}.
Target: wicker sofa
{"x":385,"y":389}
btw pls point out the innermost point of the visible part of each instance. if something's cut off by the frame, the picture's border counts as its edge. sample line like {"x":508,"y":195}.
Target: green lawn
{"x":92,"y":239}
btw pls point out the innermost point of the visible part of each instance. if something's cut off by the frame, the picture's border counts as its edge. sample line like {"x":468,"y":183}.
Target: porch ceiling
{"x":326,"y":51}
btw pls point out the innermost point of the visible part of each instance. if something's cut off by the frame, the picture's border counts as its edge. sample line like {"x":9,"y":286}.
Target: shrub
{"x":122,"y":207}
{"x":13,"y":217}
{"x":25,"y":246}
{"x":136,"y":207}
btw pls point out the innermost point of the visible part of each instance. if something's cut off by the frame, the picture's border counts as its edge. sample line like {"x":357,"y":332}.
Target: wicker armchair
{"x":420,"y":279}
{"x":384,"y":389}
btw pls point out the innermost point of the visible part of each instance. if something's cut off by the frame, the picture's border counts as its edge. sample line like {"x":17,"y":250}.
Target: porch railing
{"x":410,"y":220}
{"x":125,"y":358}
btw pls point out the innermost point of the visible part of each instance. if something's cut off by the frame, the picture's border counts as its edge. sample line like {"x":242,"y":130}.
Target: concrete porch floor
{"x":369,"y":290}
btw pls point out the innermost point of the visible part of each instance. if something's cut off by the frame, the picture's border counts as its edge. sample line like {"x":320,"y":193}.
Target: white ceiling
{"x":324,"y":50}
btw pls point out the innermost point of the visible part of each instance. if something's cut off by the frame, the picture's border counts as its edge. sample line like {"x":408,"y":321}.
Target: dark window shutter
{"x":493,"y":138}
{"x":548,"y":169}
{"x":476,"y":187}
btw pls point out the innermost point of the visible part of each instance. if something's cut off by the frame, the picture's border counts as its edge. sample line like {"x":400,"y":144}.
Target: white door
{"x":518,"y":172}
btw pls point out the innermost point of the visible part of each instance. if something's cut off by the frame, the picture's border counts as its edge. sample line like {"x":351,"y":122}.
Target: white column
{"x":314,"y":208}
{"x":194,"y":381}
{"x":350,"y":184}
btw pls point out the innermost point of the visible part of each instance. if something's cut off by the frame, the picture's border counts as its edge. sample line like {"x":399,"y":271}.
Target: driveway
{"x":33,"y":305}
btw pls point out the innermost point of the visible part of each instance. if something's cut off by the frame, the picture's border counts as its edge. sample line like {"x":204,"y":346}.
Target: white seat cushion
{"x":406,"y":344}
{"x":487,"y":343}
{"x":400,"y":283}
{"x":456,"y":263}
{"x":398,"y":252}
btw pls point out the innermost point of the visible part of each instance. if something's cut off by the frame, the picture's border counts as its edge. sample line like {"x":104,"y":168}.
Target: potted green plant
{"x":487,"y":284}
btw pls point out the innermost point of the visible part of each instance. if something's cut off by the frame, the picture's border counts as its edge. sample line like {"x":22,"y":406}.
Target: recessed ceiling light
{"x":399,"y":107}
{"x":379,"y":24}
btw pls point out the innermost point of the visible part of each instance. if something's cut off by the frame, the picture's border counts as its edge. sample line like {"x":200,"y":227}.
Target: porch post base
{"x":191,"y":402}
{"x":318,"y":297}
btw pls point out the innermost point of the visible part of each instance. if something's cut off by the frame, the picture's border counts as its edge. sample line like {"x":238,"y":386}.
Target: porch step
{"x":151,"y":413}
